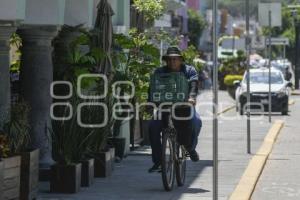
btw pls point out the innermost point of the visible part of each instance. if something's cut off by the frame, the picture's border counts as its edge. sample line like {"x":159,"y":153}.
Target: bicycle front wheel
{"x":168,"y":165}
{"x":180,"y":165}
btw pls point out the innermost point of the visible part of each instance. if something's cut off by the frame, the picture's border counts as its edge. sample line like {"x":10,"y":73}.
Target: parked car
{"x":285,"y":66}
{"x":259,"y":91}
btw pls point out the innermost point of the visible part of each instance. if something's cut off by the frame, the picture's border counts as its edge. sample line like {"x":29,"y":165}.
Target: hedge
{"x":229,"y":79}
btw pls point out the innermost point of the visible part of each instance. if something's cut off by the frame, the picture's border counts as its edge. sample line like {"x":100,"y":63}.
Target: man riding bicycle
{"x":185,"y":128}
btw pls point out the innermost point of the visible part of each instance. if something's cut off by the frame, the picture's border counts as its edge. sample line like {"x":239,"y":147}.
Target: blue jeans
{"x":188,"y":132}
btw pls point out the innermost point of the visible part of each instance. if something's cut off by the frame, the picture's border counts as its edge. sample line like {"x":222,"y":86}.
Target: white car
{"x":259,"y":91}
{"x":284,"y":66}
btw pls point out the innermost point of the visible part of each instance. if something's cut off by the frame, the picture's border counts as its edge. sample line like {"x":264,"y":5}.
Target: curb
{"x":295,"y":93}
{"x":226,"y":110}
{"x":247,"y":183}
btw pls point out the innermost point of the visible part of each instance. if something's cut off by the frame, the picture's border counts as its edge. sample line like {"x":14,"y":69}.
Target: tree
{"x":287,"y":30}
{"x":196,"y":25}
{"x":152,"y":9}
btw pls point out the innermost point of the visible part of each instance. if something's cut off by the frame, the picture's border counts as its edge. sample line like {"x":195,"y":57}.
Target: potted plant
{"x":82,"y":57}
{"x":99,"y":148}
{"x":11,"y":172}
{"x":72,"y":168}
{"x":21,"y":157}
{"x":4,"y":150}
{"x":81,"y":60}
{"x":135,"y":59}
{"x":65,"y":175}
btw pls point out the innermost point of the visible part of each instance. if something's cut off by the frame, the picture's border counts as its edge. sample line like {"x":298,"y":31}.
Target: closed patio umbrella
{"x":104,"y":25}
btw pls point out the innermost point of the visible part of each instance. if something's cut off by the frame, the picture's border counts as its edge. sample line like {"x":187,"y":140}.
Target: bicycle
{"x":174,"y":154}
{"x":173,"y":157}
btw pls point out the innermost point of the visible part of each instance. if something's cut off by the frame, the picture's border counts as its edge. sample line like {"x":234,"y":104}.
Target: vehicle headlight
{"x":281,"y":93}
{"x":243,"y":89}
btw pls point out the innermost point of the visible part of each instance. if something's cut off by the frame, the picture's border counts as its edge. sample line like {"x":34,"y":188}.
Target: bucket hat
{"x":172,"y":52}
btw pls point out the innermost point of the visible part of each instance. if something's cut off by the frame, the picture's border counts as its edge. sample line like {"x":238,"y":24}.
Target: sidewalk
{"x":295,"y":92}
{"x":280,"y":179}
{"x":131,"y":181}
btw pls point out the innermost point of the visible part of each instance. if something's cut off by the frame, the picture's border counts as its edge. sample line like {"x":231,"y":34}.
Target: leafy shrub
{"x":151,"y":9}
{"x":229,"y":79}
{"x":4,"y":147}
{"x":16,"y":131}
{"x":196,"y":24}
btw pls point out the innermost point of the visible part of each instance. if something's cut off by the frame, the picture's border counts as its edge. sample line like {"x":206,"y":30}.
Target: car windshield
{"x":263,"y":78}
{"x":279,"y":66}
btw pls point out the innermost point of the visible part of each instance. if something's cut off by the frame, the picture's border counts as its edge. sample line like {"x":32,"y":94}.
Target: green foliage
{"x":287,"y":30}
{"x":196,"y":25}
{"x":4,"y":146}
{"x":68,"y":138}
{"x":232,"y":66}
{"x":73,"y":143}
{"x":135,"y":61}
{"x":152,"y":9}
{"x":190,"y":56}
{"x":16,"y":130}
{"x":16,"y":41}
{"x":98,"y":140}
{"x":162,"y":35}
{"x":82,"y":55}
{"x":229,"y":79}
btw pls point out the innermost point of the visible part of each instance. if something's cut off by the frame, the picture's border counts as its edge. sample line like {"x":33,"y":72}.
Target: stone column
{"x":36,"y":77}
{"x":6,"y":31}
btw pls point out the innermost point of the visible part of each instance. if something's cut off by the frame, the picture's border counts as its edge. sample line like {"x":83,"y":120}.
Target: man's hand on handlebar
{"x":192,"y":101}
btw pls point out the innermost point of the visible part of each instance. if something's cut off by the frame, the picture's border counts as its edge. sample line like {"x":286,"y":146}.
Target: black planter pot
{"x":65,"y":178}
{"x":29,"y":174}
{"x":87,"y":172}
{"x":145,"y":131}
{"x":112,"y":150}
{"x":112,"y":156}
{"x":11,"y":180}
{"x":103,"y":166}
{"x":119,"y":144}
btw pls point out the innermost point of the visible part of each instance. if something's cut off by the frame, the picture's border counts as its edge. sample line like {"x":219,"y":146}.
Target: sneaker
{"x":194,"y":155}
{"x":155,"y":168}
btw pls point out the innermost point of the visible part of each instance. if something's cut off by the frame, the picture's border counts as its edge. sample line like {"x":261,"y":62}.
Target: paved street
{"x":280,"y":179}
{"x":131,"y":180}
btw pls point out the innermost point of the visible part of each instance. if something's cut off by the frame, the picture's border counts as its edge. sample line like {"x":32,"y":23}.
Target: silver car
{"x":259,"y":91}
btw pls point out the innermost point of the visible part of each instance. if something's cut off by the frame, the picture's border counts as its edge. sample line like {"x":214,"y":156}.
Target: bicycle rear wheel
{"x":167,"y":164}
{"x":180,"y":165}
